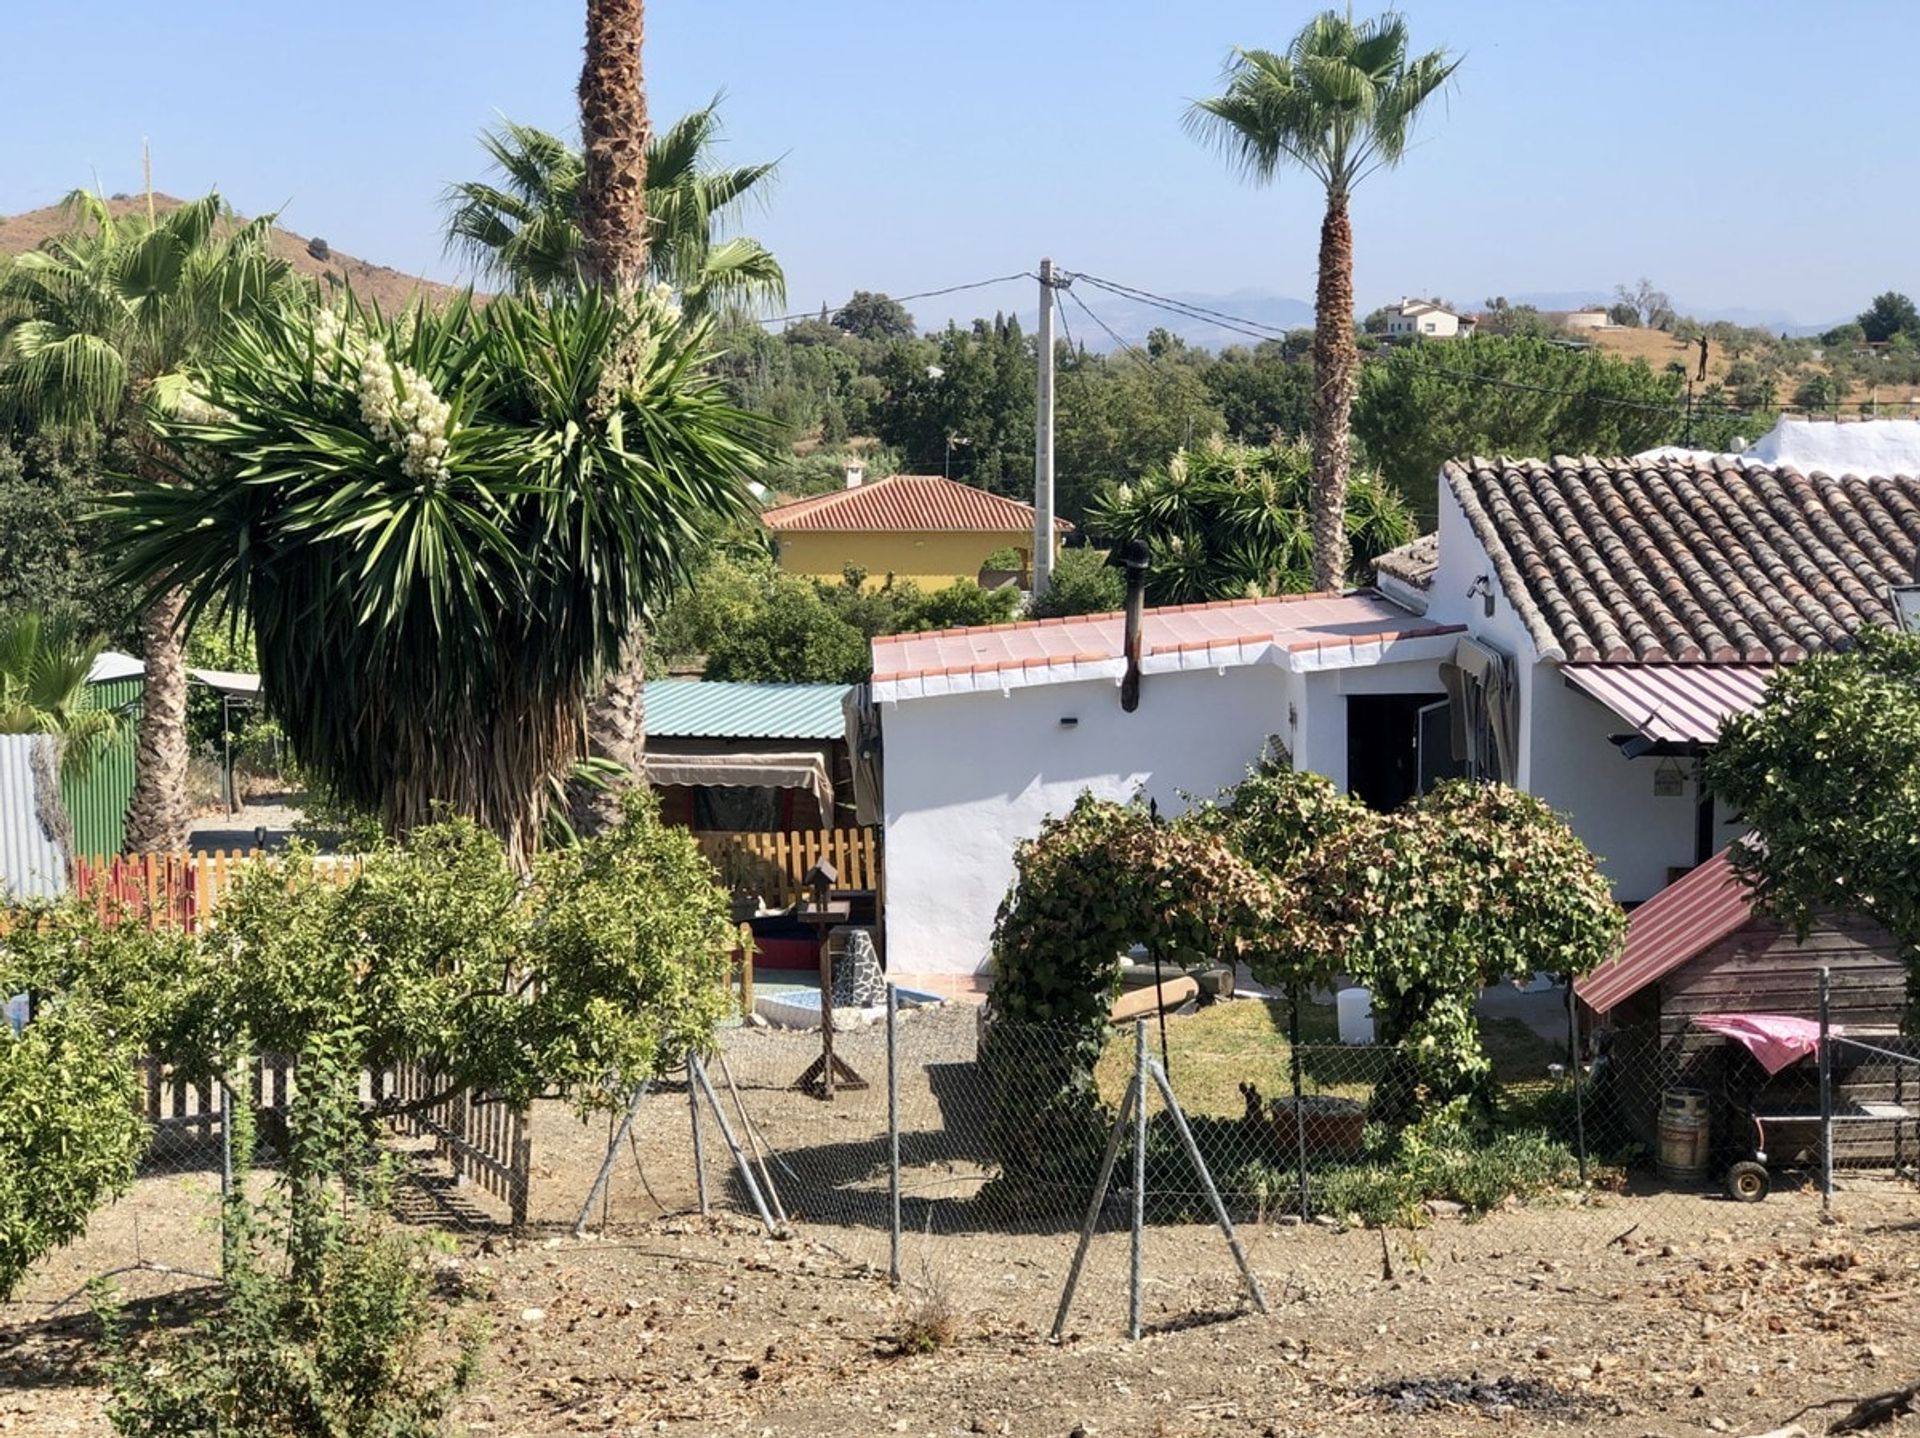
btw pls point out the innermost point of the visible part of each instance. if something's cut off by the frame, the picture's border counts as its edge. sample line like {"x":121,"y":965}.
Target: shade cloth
{"x":1775,"y":1039}
{"x":1483,"y":694}
{"x":695,"y":762}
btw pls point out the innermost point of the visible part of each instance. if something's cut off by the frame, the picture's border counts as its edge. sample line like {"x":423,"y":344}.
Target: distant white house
{"x":1578,"y":628}
{"x":1593,"y":317}
{"x":1426,"y":319}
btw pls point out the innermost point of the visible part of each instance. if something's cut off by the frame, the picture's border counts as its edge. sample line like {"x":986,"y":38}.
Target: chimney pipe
{"x":1134,"y":558}
{"x":856,"y":473}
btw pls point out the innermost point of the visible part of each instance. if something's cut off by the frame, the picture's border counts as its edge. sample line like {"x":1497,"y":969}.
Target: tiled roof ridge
{"x":1717,"y":559}
{"x":1060,"y":619}
{"x":905,"y":503}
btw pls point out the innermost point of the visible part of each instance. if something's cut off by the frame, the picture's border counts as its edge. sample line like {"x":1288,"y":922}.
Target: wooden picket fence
{"x":168,"y":889}
{"x":779,"y":861}
{"x":481,"y":1139}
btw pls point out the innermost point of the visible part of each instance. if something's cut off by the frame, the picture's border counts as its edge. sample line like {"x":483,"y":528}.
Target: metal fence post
{"x":699,"y":1147}
{"x":1826,"y":1101}
{"x":227,"y":1234}
{"x":1139,"y":1175}
{"x":893,"y":1136}
{"x":1299,"y":1099}
{"x":1573,"y":1067}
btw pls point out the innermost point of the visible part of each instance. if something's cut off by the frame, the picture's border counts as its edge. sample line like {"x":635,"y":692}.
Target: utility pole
{"x":1043,"y":441}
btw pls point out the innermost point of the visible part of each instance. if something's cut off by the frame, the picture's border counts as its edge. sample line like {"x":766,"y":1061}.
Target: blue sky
{"x":1747,"y":154}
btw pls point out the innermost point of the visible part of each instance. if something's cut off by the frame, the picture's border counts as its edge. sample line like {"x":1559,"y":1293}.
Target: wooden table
{"x":829,"y":1070}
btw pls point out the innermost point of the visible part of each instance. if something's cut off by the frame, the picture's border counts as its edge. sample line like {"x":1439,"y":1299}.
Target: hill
{"x":390,"y":289}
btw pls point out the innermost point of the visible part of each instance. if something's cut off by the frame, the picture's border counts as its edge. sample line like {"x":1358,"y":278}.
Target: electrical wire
{"x":902,"y":299}
{"x":1126,"y":344}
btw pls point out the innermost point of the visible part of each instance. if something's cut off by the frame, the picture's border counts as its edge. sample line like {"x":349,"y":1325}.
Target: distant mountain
{"x":390,"y":289}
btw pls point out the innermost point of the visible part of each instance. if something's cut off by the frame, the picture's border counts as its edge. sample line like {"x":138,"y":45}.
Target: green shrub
{"x":69,"y":1130}
{"x":348,"y":1339}
{"x":1083,"y":583}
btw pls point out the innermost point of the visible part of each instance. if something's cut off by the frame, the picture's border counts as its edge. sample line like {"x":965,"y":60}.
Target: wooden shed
{"x":1701,"y":947}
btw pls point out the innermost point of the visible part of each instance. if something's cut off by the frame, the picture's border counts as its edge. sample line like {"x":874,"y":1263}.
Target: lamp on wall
{"x":1483,"y":587}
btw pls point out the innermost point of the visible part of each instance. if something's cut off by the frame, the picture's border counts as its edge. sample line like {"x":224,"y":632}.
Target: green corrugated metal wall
{"x":98,"y":803}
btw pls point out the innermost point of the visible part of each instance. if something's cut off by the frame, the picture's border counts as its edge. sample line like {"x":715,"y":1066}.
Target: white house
{"x":1424,"y":318}
{"x":1579,"y":628}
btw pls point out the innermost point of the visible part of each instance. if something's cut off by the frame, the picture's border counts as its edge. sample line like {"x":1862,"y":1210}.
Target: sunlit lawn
{"x":1211,"y":1052}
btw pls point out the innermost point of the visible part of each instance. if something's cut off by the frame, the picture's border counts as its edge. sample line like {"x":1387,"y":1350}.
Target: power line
{"x":902,"y":299}
{"x":1137,"y":353}
{"x":1252,"y":329}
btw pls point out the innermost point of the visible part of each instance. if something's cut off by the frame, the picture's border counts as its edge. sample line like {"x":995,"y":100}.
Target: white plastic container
{"x":1355,"y":1010}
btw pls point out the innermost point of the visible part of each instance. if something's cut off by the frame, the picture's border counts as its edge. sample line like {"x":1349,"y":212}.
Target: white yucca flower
{"x":401,"y":408}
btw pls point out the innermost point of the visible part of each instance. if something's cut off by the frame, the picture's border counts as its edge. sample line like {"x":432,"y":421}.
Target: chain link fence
{"x":957,"y":1152}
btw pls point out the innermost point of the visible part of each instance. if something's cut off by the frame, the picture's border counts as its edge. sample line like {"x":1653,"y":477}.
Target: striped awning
{"x":1674,"y":703}
{"x":1676,"y":924}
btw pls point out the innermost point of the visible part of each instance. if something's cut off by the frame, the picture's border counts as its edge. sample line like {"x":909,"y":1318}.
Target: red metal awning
{"x":1673,"y":926}
{"x":1677,"y":703}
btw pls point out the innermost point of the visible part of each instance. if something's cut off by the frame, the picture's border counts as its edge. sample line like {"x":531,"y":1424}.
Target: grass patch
{"x":1211,"y":1052}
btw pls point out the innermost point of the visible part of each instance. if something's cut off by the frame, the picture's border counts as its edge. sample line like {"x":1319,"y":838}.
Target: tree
{"x":870,"y":315}
{"x":1083,"y":583}
{"x":1487,"y":395}
{"x":1502,"y":318}
{"x":1818,"y":391}
{"x":47,"y":561}
{"x":1623,"y":314}
{"x":1890,"y":314}
{"x":522,"y":226}
{"x":791,"y":637}
{"x":1827,"y":771}
{"x":1651,"y":307}
{"x":967,"y":406}
{"x":495,"y":495}
{"x":1228,"y":521}
{"x":96,"y":328}
{"x":1262,"y":394}
{"x":1120,"y":416}
{"x":1340,"y":103}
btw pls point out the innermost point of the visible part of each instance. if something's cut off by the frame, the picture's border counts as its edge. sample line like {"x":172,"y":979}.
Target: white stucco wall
{"x":969,"y":775}
{"x":1609,"y":800}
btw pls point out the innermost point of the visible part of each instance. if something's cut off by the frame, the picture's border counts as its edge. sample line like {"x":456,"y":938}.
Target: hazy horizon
{"x":922,"y":148}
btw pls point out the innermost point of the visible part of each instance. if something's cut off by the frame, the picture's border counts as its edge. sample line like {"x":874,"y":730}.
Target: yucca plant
{"x":1230,"y":521}
{"x":442,"y":528}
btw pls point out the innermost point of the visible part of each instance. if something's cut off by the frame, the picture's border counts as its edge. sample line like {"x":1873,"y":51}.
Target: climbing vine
{"x":1426,"y":906}
{"x":1094,"y":882}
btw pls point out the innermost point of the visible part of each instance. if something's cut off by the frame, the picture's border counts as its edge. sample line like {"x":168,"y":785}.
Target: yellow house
{"x":911,"y":526}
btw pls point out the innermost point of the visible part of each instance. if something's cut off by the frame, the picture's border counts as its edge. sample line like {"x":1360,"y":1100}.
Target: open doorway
{"x":1398,"y":746}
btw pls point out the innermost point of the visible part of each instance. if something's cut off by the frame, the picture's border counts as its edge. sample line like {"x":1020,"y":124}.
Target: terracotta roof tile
{"x":1715,"y":560}
{"x":907,"y":502}
{"x":1295,"y":622}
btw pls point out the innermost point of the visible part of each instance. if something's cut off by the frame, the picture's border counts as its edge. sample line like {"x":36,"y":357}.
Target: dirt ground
{"x":1627,"y":1317}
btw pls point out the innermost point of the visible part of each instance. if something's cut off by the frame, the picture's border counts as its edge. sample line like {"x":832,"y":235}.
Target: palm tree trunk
{"x":613,"y":136}
{"x":158,"y":817}
{"x":1334,"y":359}
{"x":613,"y":223}
{"x":616,"y":730}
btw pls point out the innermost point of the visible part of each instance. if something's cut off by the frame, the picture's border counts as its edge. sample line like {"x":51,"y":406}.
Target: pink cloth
{"x":1775,"y":1039}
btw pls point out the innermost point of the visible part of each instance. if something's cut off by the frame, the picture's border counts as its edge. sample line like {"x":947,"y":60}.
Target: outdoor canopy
{"x":719,"y":763}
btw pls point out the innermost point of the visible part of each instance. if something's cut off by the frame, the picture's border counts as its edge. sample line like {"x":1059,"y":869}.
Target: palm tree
{"x":43,"y":691}
{"x":44,"y":665}
{"x":95,"y":329}
{"x":522,"y":228}
{"x":442,"y":529}
{"x":1339,"y":103}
